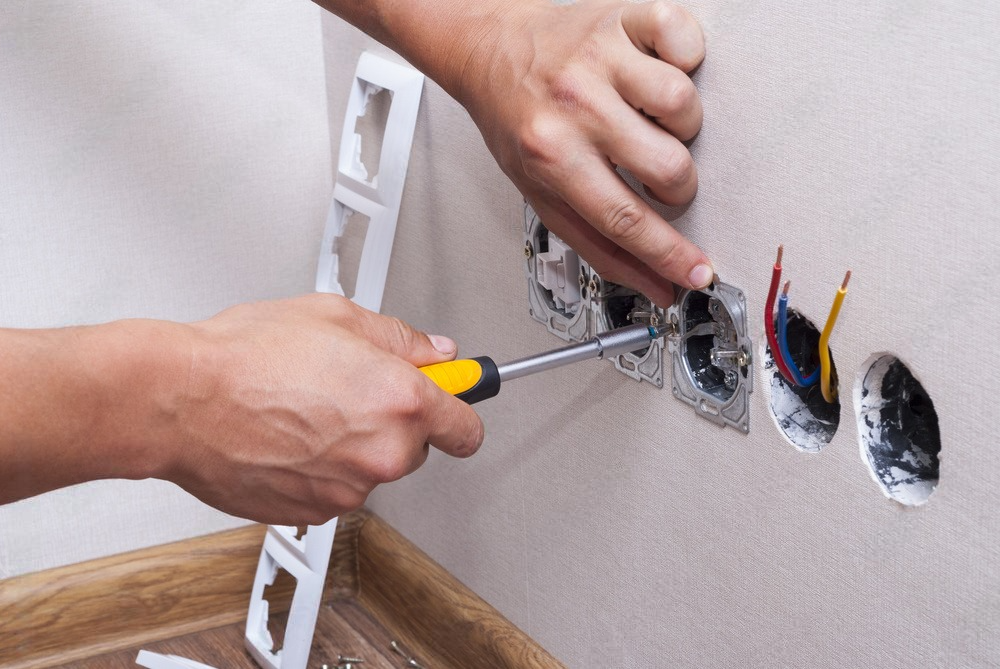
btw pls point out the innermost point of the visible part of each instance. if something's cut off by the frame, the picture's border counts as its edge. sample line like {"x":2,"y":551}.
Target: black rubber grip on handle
{"x":489,"y":382}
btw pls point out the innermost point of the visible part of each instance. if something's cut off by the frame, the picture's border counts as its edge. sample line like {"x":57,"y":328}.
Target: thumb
{"x":405,"y":341}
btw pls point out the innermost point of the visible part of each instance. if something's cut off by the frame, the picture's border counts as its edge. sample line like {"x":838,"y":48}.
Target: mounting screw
{"x":582,"y":281}
{"x":528,"y":252}
{"x":592,"y":286}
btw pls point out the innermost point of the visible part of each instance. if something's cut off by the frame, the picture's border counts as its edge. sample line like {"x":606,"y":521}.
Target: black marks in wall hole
{"x":898,"y":429}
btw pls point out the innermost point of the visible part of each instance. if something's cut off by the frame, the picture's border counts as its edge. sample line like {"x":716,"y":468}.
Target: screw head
{"x":528,"y":252}
{"x":582,"y":281}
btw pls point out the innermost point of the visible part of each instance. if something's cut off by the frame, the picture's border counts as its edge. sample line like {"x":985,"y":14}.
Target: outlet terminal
{"x":616,"y":306}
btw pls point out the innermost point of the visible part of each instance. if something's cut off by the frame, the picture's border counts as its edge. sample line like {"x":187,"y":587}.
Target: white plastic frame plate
{"x":157,"y":661}
{"x":378,"y":197}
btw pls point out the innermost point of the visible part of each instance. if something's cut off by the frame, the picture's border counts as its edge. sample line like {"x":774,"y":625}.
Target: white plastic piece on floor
{"x":306,"y":559}
{"x":157,"y":661}
{"x":377,"y":197}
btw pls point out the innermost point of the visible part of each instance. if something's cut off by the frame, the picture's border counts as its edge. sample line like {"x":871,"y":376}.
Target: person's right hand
{"x":563,"y":95}
{"x":296,"y":409}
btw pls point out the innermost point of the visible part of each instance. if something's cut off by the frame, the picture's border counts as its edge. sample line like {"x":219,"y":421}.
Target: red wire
{"x":772,"y":337}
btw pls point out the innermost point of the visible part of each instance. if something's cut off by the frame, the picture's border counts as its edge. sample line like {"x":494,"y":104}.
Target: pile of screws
{"x":410,"y":662}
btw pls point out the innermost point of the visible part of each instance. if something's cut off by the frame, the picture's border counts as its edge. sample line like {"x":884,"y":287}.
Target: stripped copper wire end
{"x":781,"y":252}
{"x":847,"y":277}
{"x":784,"y":291}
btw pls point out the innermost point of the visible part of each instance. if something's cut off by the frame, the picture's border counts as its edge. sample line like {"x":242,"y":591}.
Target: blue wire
{"x":783,"y":345}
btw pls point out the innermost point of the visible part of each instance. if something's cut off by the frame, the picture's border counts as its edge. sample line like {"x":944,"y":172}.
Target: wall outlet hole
{"x":898,"y":430}
{"x":806,"y":420}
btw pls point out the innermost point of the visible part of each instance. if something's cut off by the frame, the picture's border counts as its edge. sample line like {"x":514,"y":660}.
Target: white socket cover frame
{"x":306,"y":557}
{"x":158,"y":661}
{"x":378,"y":197}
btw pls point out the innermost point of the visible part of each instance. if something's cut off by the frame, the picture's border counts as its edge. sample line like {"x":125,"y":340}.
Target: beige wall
{"x":167,"y":161}
{"x":619,"y":529}
{"x":156,"y":159}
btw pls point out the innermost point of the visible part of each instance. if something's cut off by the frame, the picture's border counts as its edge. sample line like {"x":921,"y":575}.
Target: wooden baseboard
{"x":82,"y":611}
{"x":433,"y":613}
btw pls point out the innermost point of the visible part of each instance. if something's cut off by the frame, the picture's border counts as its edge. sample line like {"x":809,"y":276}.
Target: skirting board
{"x":81,"y":611}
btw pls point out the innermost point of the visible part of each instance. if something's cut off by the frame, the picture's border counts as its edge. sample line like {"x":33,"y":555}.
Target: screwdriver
{"x":477,"y":379}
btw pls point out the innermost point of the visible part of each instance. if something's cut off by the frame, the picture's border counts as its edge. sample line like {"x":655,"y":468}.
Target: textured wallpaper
{"x":158,"y":160}
{"x":604,"y":517}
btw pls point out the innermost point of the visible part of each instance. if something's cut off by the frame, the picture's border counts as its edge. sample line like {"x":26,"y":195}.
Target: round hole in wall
{"x":898,"y":430}
{"x":805,"y":419}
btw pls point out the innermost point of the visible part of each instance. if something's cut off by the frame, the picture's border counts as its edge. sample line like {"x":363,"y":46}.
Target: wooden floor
{"x":343,"y":628}
{"x":190,"y":599}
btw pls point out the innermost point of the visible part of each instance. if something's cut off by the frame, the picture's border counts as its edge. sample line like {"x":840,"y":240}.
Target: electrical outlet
{"x":711,"y":353}
{"x":575,"y":303}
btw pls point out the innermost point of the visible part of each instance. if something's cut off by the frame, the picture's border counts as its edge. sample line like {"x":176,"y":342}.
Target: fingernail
{"x":701,"y":276}
{"x":443,"y":344}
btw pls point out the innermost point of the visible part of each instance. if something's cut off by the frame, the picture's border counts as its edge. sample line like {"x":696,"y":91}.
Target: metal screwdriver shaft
{"x":612,"y":343}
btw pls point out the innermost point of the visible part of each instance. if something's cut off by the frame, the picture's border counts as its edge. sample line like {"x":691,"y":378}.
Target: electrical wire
{"x":804,"y":381}
{"x":829,"y":392}
{"x":772,"y":338}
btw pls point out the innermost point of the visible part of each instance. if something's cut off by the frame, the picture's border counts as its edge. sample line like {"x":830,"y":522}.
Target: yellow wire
{"x":829,"y":392}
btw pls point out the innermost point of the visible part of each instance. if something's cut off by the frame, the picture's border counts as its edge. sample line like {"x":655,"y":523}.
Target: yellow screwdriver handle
{"x":471,"y":380}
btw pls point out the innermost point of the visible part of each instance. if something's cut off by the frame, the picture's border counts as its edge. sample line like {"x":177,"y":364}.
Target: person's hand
{"x":296,"y":409}
{"x":563,"y":95}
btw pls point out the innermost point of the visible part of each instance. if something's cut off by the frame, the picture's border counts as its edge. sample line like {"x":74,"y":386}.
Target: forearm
{"x":439,"y":37}
{"x":85,"y":403}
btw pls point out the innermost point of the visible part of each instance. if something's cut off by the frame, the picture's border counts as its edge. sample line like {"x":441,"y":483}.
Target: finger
{"x":611,"y":261}
{"x":666,"y":30}
{"x":592,"y":188}
{"x":657,"y":158}
{"x":661,"y":92}
{"x":452,"y":425}
{"x":403,"y":340}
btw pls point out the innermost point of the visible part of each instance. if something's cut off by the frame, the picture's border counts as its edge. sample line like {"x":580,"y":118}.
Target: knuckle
{"x":625,"y":220}
{"x":679,"y":96}
{"x":674,"y":169}
{"x":403,"y":334}
{"x":538,"y":148}
{"x":666,"y":16}
{"x":409,"y":399}
{"x":391,"y":465}
{"x":568,"y":88}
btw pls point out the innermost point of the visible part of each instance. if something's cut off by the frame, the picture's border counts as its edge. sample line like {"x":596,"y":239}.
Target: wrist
{"x":140,"y":375}
{"x":453,"y":42}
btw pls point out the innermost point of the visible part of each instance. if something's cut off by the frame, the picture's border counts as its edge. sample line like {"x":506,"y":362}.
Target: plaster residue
{"x":898,"y":430}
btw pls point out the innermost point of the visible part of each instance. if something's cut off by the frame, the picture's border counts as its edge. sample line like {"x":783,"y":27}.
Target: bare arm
{"x":563,"y":95}
{"x":285,"y":412}
{"x":84,"y":403}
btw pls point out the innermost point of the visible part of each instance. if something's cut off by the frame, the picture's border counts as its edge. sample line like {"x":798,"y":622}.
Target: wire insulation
{"x":830,"y":392}
{"x":772,"y":338}
{"x":804,"y":381}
